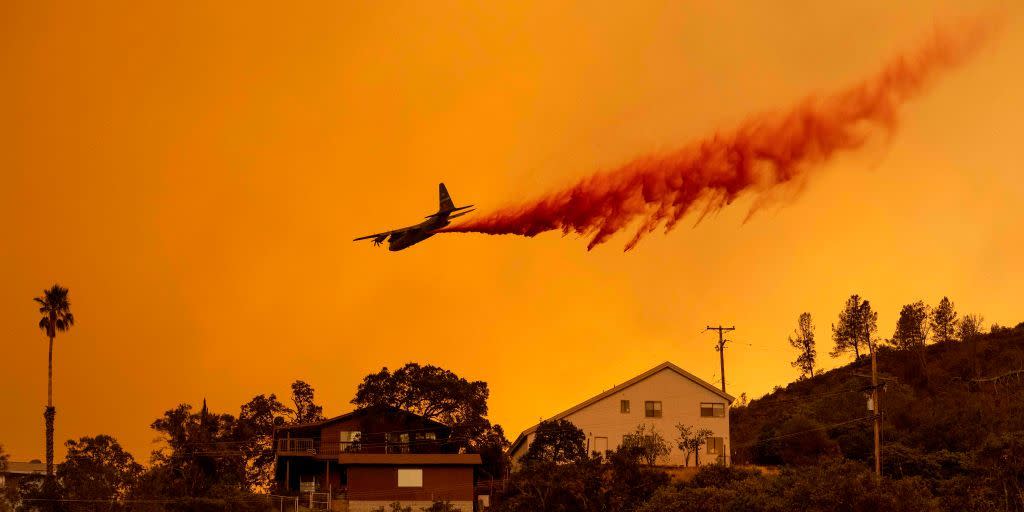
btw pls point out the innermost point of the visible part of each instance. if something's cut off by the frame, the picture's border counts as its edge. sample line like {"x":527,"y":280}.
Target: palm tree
{"x":57,"y":317}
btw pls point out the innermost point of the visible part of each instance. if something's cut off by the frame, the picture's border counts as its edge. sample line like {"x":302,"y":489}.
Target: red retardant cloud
{"x":762,"y":153}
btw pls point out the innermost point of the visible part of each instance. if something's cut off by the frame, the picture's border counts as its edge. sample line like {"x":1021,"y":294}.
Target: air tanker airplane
{"x":401,"y":238}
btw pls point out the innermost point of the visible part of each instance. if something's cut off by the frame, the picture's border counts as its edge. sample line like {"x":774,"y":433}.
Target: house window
{"x":652,"y":409}
{"x":624,"y":406}
{"x":349,"y":440}
{"x":423,"y":442}
{"x":410,"y":478}
{"x":712,"y":410}
{"x":398,"y":442}
{"x":716,"y":445}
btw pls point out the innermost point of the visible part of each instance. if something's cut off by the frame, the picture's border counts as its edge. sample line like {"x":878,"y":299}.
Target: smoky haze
{"x":764,"y":152}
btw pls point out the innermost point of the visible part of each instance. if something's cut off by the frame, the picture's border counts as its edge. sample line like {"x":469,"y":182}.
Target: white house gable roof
{"x":616,"y":389}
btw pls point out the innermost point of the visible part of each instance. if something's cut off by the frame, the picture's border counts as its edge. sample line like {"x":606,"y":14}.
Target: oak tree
{"x":306,"y":409}
{"x":98,"y":471}
{"x":558,"y":442}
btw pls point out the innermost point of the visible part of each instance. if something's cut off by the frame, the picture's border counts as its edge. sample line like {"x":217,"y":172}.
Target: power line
{"x":802,"y":398}
{"x":794,"y":434}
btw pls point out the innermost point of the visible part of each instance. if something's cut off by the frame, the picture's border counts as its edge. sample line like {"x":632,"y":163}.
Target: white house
{"x":662,"y":397}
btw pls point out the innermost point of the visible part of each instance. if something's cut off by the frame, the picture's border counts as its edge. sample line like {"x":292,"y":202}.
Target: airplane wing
{"x":378,"y":238}
{"x":375,"y":235}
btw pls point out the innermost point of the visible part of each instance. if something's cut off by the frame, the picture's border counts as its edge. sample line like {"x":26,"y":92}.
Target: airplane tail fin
{"x":446,"y":204}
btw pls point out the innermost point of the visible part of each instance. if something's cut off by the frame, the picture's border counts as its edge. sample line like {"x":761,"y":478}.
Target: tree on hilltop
{"x":855,"y":329}
{"x":944,"y":321}
{"x":911,"y":333}
{"x":803,"y":340}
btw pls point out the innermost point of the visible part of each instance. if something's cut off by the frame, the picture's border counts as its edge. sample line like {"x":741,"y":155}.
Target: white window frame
{"x":656,"y":408}
{"x":348,"y":439}
{"x":349,"y":436}
{"x":715,"y":408}
{"x":712,"y":448}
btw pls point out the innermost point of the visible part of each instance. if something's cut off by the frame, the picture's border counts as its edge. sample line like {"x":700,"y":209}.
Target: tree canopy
{"x":645,"y":443}
{"x":440,"y":395}
{"x":690,"y":440}
{"x":254,"y":433}
{"x":558,"y":442}
{"x":97,"y":469}
{"x":429,"y":391}
{"x":55,"y":310}
{"x":944,"y":321}
{"x":306,"y":408}
{"x":912,"y":327}
{"x":970,"y":327}
{"x":803,"y":340}
{"x":201,"y":450}
{"x":856,"y":327}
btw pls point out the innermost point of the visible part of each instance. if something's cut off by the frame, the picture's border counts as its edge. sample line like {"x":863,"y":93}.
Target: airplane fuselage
{"x":399,"y":239}
{"x":416,"y":234}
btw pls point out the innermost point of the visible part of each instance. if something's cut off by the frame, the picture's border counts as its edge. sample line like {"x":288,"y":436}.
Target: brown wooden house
{"x":373,"y":457}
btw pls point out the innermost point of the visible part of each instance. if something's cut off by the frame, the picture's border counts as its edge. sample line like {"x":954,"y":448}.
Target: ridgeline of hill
{"x":946,"y":409}
{"x":953,"y":440}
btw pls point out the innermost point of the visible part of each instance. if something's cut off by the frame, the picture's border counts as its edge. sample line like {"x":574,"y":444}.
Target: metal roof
{"x":373,"y":409}
{"x":25,"y":468}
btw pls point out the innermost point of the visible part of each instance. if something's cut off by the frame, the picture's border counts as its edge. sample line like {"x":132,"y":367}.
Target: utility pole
{"x":721,"y":347}
{"x":877,"y":409}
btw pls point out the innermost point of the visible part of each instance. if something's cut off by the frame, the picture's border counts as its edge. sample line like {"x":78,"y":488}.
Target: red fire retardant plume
{"x":762,"y":153}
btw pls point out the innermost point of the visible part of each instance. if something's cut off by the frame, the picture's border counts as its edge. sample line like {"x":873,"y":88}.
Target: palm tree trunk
{"x":49,"y":376}
{"x":51,"y":412}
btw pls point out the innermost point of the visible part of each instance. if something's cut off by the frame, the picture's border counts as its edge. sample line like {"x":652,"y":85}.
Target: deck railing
{"x":297,"y":446}
{"x":318,"y":448}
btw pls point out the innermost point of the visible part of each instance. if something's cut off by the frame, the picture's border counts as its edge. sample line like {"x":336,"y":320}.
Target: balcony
{"x":298,"y":446}
{"x":317,"y":448}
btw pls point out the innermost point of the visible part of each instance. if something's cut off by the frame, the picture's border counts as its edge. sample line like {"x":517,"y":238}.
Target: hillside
{"x":942,"y":412}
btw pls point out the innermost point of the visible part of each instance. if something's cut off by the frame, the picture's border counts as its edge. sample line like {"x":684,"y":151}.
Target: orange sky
{"x":195,"y":175}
